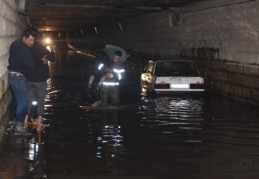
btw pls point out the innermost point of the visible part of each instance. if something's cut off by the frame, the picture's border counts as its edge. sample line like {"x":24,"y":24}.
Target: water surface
{"x":166,"y":137}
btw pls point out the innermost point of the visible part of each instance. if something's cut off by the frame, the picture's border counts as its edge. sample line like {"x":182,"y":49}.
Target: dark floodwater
{"x":165,"y":137}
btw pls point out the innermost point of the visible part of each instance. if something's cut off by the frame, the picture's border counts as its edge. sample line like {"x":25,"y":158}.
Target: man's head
{"x":28,"y":36}
{"x":117,"y":56}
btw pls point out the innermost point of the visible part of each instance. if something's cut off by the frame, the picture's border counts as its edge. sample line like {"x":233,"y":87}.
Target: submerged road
{"x":165,"y":137}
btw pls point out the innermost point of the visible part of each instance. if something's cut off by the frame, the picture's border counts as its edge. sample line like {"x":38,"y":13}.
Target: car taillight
{"x":197,"y":86}
{"x":162,"y":86}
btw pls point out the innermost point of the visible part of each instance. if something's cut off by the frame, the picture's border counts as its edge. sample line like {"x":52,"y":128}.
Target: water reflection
{"x":108,"y":140}
{"x":173,"y":111}
{"x":36,"y":154}
{"x":160,"y":138}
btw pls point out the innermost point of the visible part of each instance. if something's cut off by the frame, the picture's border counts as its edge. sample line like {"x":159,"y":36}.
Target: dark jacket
{"x":101,"y":58}
{"x":118,"y":71}
{"x":20,"y":59}
{"x":40,"y":72}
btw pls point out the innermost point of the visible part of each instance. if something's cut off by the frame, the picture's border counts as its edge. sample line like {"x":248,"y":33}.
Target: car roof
{"x":172,"y":60}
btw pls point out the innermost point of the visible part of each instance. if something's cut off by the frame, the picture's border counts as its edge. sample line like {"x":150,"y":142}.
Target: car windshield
{"x":185,"y":69}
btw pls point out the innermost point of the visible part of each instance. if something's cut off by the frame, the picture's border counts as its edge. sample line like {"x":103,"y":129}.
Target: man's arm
{"x":102,"y":80}
{"x":90,"y":81}
{"x":45,"y":60}
{"x":52,"y":55}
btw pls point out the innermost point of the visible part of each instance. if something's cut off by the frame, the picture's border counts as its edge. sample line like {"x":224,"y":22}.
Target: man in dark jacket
{"x":103,"y":59}
{"x":37,"y":78}
{"x":20,"y":63}
{"x":115,"y":72}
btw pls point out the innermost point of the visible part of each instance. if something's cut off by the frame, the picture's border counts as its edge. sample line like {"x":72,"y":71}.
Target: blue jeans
{"x":19,"y":89}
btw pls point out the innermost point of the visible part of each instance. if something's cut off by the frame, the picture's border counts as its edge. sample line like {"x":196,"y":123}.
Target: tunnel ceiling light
{"x":170,"y":19}
{"x":173,"y":18}
{"x":96,"y":31}
{"x":21,"y":5}
{"x":121,"y":27}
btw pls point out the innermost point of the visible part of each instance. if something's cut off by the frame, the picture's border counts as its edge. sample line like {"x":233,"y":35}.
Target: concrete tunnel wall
{"x":11,"y":27}
{"x":223,"y":41}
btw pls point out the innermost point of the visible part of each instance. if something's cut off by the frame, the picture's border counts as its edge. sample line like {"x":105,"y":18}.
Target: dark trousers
{"x":37,"y":92}
{"x":110,"y":95}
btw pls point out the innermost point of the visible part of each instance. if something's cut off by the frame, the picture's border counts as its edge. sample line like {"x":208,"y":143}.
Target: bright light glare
{"x":47,"y":40}
{"x":48,"y":47}
{"x":34,"y":103}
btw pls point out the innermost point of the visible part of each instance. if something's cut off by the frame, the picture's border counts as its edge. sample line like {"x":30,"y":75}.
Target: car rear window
{"x":185,"y":69}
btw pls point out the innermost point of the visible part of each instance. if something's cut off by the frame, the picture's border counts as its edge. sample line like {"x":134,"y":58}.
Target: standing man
{"x":111,"y":81}
{"x":20,"y":63}
{"x":37,"y":78}
{"x":103,"y":59}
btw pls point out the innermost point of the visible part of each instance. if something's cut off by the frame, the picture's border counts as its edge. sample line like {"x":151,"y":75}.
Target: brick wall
{"x":11,"y":26}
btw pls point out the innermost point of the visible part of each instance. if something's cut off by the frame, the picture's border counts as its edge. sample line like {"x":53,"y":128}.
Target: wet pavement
{"x":166,"y":137}
{"x":22,"y":157}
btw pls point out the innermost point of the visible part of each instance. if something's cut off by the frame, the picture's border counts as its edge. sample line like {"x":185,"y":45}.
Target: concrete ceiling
{"x":71,"y":15}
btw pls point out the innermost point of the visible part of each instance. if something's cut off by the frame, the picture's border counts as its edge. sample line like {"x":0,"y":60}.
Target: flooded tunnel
{"x":210,"y":136}
{"x":194,"y":137}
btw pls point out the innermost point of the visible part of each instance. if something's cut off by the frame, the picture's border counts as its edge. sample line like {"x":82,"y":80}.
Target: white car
{"x":171,"y":76}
